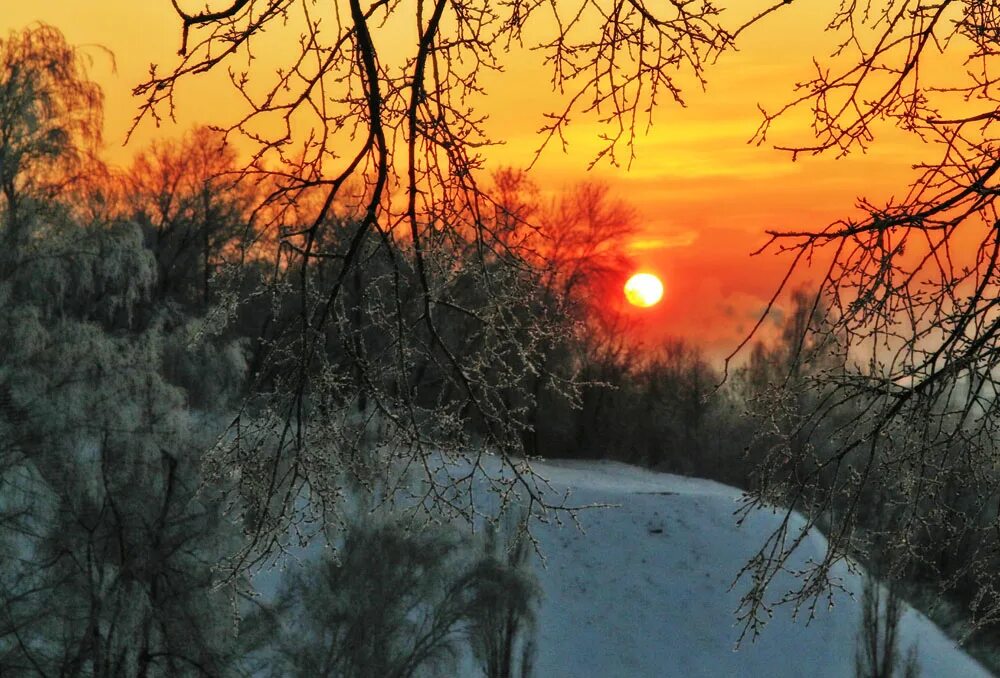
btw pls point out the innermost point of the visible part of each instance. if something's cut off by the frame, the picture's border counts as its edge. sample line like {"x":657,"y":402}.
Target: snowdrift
{"x":643,"y":591}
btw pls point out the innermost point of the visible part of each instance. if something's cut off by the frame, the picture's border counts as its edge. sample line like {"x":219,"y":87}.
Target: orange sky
{"x":703,"y":194}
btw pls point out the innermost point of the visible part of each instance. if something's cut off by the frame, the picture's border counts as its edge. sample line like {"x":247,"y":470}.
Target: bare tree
{"x":878,"y":654}
{"x":391,"y":133}
{"x":911,"y":285}
{"x":195,"y":216}
{"x":576,"y":241}
{"x":502,"y":624}
{"x":917,"y":314}
{"x":398,"y":603}
{"x":50,"y":120}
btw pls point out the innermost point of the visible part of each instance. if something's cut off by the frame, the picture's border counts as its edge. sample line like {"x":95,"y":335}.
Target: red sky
{"x":704,"y":195}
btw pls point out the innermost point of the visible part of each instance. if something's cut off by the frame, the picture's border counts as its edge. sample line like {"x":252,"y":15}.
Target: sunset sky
{"x":704,"y":195}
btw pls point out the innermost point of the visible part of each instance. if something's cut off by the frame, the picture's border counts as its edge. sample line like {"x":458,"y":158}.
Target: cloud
{"x":665,"y":241}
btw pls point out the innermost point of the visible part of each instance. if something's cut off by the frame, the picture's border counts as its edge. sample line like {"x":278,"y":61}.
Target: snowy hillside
{"x":644,"y":591}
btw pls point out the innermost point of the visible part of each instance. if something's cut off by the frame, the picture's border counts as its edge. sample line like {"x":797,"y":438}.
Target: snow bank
{"x":644,"y":590}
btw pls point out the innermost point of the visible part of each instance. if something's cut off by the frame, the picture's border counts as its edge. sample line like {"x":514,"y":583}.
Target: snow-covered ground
{"x":643,"y":591}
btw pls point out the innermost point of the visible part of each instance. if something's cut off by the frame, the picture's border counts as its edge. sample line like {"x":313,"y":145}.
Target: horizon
{"x":704,"y":195}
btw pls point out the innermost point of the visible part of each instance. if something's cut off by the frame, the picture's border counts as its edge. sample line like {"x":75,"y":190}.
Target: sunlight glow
{"x":643,"y":290}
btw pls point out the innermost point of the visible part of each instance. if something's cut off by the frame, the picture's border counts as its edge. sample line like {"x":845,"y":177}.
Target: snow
{"x":644,"y":589}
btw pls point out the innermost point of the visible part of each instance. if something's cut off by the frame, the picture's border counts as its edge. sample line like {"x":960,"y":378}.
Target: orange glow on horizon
{"x":704,"y":197}
{"x":644,"y":290}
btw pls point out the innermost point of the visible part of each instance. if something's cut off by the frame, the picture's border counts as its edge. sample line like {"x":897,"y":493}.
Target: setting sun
{"x":643,"y":289}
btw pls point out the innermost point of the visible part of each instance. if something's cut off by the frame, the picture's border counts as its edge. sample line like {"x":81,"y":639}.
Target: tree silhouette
{"x":194,"y":216}
{"x":398,"y":602}
{"x":50,"y":126}
{"x":388,"y":130}
{"x":911,"y":286}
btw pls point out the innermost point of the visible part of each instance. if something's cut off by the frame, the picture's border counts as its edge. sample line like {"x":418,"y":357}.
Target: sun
{"x":643,"y":290}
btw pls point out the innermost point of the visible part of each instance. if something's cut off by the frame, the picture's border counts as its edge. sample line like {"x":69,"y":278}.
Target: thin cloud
{"x":683,"y":239}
